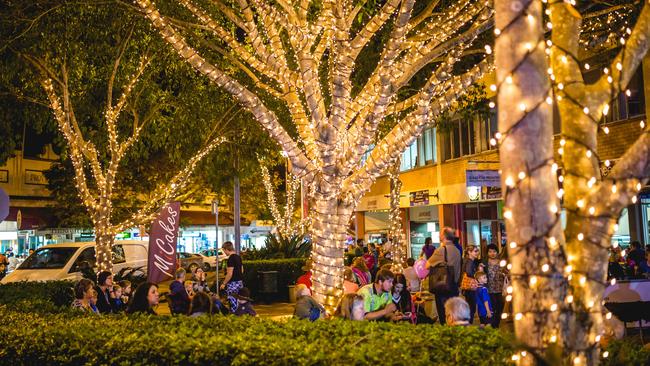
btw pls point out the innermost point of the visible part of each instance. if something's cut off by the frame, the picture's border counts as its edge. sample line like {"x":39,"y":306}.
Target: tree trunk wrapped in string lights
{"x":97,"y":195}
{"x":285,"y":48}
{"x":396,"y":232}
{"x":559,"y":275}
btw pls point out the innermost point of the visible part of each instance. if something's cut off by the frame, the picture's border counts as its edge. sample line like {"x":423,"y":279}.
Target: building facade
{"x":451,"y":178}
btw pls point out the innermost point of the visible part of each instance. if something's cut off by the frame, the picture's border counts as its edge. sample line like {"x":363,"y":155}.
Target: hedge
{"x":77,"y":339}
{"x":288,"y":272}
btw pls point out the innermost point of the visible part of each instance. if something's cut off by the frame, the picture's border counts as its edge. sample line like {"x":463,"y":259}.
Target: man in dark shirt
{"x":180,"y":299}
{"x":234,"y":280}
{"x":104,"y":289}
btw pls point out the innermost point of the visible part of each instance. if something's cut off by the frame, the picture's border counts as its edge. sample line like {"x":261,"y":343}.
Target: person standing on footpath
{"x":496,"y":276}
{"x":448,"y":253}
{"x":234,"y":280}
{"x":428,"y":248}
{"x":469,"y":284}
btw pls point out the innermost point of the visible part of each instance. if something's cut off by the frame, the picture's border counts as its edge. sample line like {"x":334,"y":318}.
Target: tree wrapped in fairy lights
{"x":95,"y":170}
{"x":559,"y":275}
{"x":285,"y":224}
{"x":304,"y":54}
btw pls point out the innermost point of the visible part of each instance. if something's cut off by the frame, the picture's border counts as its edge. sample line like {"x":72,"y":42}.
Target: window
{"x":468,"y":137}
{"x":85,"y":260}
{"x":48,"y":258}
{"x":118,"y":254}
{"x":421,"y":152}
{"x":629,"y":103}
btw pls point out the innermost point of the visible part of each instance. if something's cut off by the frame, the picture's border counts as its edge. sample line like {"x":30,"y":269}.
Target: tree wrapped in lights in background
{"x":287,"y":46}
{"x":396,"y":231}
{"x":97,"y":194}
{"x":558,"y":276}
{"x":285,"y":225}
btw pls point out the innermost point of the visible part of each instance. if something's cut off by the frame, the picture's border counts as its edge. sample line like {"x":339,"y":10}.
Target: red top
{"x":305,"y":280}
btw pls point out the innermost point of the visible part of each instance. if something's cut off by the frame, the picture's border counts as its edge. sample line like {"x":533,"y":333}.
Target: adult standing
{"x":428,"y":248}
{"x":469,"y":269}
{"x":234,"y":280}
{"x":104,"y":289}
{"x":449,"y":254}
{"x":496,"y":277}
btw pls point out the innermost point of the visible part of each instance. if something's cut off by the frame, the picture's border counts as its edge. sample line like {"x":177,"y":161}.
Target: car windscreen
{"x":48,"y":258}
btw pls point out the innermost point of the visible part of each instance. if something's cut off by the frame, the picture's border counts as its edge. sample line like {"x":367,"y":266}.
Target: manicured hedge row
{"x":55,"y":293}
{"x":73,"y":339}
{"x":288,"y":272}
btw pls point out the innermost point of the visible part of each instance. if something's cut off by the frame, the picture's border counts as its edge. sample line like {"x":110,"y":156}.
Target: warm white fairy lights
{"x":98,"y":201}
{"x":585,"y":205}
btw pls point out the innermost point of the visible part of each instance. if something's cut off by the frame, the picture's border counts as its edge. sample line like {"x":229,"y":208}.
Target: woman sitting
{"x":201,"y":305}
{"x":144,"y":299}
{"x":351,"y":307}
{"x":84,"y":294}
{"x":361,"y":272}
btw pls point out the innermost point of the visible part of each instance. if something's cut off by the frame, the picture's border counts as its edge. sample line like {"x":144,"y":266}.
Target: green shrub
{"x":76,"y":339}
{"x":55,"y":293}
{"x":288,"y":272}
{"x":628,"y":351}
{"x":278,"y":246}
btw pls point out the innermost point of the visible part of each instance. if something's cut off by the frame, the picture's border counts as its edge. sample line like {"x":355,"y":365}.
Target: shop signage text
{"x":483,"y":178}
{"x":419,"y":198}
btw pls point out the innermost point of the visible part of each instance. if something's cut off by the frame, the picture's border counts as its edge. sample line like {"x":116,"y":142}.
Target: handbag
{"x":441,"y":277}
{"x":468,"y":283}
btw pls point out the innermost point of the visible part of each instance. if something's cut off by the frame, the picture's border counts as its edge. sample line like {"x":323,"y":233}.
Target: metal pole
{"x":216,"y":241}
{"x":237,"y":218}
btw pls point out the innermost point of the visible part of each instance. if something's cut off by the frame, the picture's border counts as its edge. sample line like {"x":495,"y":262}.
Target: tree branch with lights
{"x":559,"y":276}
{"x":97,"y":190}
{"x":309,"y":55}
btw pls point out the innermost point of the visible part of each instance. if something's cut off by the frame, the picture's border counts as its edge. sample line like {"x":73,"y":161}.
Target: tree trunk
{"x":104,"y":239}
{"x":329,"y":229}
{"x":529,"y":180}
{"x":396,"y":233}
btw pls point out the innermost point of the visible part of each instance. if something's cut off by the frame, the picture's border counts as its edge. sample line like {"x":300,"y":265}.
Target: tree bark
{"x":396,"y":233}
{"x":526,"y":153}
{"x":328,"y":233}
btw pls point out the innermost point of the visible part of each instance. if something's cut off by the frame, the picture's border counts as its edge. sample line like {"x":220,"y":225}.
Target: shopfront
{"x":376,"y":226}
{"x":482,"y":217}
{"x":424,"y":223}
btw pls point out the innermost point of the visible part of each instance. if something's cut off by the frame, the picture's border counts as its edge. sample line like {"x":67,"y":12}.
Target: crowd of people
{"x":464,"y":286}
{"x":191,"y":297}
{"x":372,"y":291}
{"x":633,"y":263}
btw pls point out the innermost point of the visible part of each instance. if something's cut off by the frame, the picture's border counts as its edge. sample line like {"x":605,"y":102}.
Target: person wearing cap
{"x":305,"y":279}
{"x":244,"y":306}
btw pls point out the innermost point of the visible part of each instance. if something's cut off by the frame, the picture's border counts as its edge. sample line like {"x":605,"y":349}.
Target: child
{"x":126,"y":291}
{"x":244,"y":307}
{"x":483,"y":299}
{"x":189,"y":288}
{"x":306,"y":306}
{"x":351,"y":307}
{"x":116,"y":300}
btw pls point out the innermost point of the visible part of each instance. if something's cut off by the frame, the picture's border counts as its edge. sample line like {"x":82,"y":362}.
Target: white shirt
{"x":412,"y":278}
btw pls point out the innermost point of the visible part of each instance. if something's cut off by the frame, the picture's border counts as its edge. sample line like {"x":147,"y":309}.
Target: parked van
{"x":65,"y":261}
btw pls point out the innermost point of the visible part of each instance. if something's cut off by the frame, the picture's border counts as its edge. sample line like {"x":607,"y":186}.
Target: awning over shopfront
{"x":31,"y":218}
{"x":189,"y":218}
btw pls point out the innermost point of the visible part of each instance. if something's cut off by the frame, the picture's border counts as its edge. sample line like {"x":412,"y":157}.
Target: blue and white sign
{"x":483,"y":178}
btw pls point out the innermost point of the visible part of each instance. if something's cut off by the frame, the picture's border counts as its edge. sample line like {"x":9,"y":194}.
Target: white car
{"x":66,"y":261}
{"x":210,"y":259}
